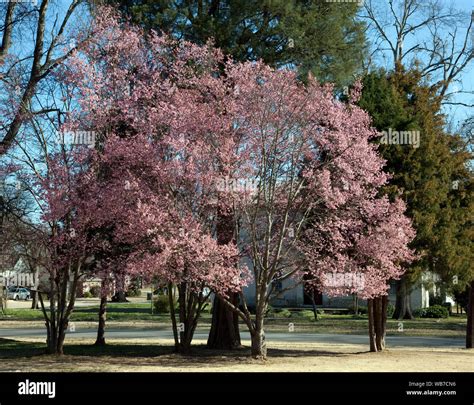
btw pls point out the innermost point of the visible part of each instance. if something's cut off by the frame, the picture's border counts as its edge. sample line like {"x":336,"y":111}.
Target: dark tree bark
{"x":370,"y":312}
{"x":377,"y":311}
{"x":184,"y":342}
{"x":60,"y":311}
{"x":34,"y":300}
{"x":315,"y":310}
{"x":62,"y":297}
{"x":356,"y":304}
{"x":380,"y":322}
{"x":470,"y":319}
{"x":184,"y":321}
{"x":100,"y":341}
{"x":224,"y":333}
{"x":403,"y":301}
{"x":190,"y":306}
{"x":173,"y":316}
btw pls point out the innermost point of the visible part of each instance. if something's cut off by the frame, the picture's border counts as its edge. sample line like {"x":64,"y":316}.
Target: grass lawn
{"x":454,"y":326}
{"x":136,"y":356}
{"x":303,"y":321}
{"x":115,"y":312}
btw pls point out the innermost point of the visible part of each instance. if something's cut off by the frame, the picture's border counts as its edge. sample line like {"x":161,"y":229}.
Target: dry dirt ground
{"x":282,"y":357}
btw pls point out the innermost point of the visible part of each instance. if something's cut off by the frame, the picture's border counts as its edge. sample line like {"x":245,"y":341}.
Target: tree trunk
{"x":61,"y":338}
{"x":403,"y":301}
{"x":259,"y":346}
{"x":185,"y":298}
{"x":173,"y":317}
{"x":184,"y":347}
{"x":100,"y":341}
{"x":470,"y":319}
{"x":224,"y":333}
{"x":186,"y":338}
{"x":62,"y":298}
{"x":315,"y":310}
{"x":356,"y":304}
{"x":51,"y":341}
{"x":34,"y":300}
{"x":370,"y":311}
{"x":55,"y":332}
{"x":257,"y":334}
{"x":380,"y":321}
{"x":55,"y":339}
{"x":377,"y":313}
{"x":3,"y":299}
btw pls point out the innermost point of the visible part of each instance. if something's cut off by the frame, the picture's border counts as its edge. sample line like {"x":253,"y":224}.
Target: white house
{"x":296,"y":295}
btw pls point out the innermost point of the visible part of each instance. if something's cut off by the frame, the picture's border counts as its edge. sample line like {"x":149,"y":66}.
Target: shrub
{"x":87,"y":294}
{"x":283,"y":313}
{"x":436,"y":311}
{"x":95,"y":291}
{"x":390,"y":310}
{"x":162,"y":304}
{"x":417,"y":312}
{"x":308,"y":314}
{"x":362,"y":310}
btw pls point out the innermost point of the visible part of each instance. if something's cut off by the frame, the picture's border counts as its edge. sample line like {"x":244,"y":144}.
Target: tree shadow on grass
{"x":118,"y":310}
{"x":137,"y":355}
{"x":311,"y":353}
{"x":14,"y":349}
{"x":205,"y":358}
{"x":10,"y":348}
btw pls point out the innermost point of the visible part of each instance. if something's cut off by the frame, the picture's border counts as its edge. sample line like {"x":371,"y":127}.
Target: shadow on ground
{"x":33,"y":354}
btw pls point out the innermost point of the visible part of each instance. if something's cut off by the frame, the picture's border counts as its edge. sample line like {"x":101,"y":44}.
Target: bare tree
{"x":33,"y":43}
{"x":429,"y":34}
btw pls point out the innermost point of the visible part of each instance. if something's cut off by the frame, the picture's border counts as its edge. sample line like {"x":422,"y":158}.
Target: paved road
{"x":80,"y":302}
{"x":122,"y":333}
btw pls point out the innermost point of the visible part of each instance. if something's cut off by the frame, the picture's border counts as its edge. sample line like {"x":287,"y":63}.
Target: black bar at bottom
{"x":121,"y":387}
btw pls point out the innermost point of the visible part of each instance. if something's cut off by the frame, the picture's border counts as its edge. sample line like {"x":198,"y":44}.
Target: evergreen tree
{"x":434,"y":178}
{"x":315,"y":36}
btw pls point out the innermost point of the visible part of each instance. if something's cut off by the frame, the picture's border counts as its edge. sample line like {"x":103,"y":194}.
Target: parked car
{"x":18,"y":294}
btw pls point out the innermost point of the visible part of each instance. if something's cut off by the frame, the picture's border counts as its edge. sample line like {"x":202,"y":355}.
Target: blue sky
{"x":454,"y":114}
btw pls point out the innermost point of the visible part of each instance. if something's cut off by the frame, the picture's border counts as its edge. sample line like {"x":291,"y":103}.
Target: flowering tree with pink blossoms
{"x":183,"y":135}
{"x":153,"y":103}
{"x":69,"y":243}
{"x":310,"y":161}
{"x":358,"y":252}
{"x":357,"y":240}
